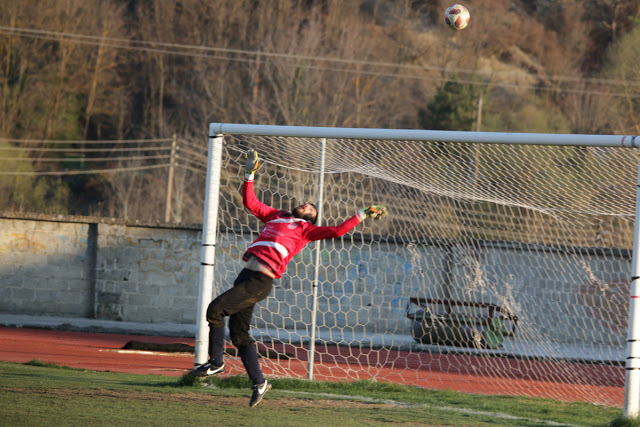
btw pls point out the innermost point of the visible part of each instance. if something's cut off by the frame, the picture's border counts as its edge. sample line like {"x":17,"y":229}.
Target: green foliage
{"x":530,"y":113}
{"x":625,"y":422}
{"x":453,"y":107}
{"x":26,"y":191}
{"x":188,"y":380}
{"x":36,"y":362}
{"x":609,"y":21}
{"x":50,"y":195}
{"x":622,"y":66}
{"x":68,"y":120}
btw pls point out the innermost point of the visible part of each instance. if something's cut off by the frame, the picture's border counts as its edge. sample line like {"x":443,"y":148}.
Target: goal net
{"x":502,"y":267}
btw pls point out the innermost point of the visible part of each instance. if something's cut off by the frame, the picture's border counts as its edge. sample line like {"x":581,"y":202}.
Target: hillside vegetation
{"x":115,"y":70}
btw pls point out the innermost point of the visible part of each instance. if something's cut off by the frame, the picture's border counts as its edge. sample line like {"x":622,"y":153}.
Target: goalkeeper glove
{"x":375,"y":211}
{"x":252,"y":162}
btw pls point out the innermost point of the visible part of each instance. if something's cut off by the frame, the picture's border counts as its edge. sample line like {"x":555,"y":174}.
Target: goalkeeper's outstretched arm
{"x":320,"y":233}
{"x":265,"y":213}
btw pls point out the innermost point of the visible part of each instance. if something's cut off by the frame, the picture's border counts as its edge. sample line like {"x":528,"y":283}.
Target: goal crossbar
{"x":629,"y":141}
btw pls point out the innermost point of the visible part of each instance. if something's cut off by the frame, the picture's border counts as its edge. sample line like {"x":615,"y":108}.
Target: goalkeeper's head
{"x":308,"y":212}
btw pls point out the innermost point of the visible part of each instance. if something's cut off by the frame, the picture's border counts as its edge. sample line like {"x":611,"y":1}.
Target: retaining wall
{"x":134,"y":272}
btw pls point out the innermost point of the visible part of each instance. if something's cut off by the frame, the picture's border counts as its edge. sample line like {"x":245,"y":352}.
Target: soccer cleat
{"x":207,"y":369}
{"x":259,"y":390}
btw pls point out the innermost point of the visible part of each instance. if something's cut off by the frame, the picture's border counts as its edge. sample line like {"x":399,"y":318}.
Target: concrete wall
{"x":46,"y":267}
{"x":146,"y":274}
{"x":79,"y":267}
{"x":132,"y":272}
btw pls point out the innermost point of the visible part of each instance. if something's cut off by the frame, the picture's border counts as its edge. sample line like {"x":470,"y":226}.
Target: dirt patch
{"x":201,"y":399}
{"x":179,"y":347}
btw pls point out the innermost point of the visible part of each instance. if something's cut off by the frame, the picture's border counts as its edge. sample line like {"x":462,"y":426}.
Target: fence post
{"x":172,"y":166}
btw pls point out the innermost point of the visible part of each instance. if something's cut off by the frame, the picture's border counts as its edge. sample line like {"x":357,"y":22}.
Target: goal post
{"x":632,"y":377}
{"x":507,"y":264}
{"x":208,"y":247}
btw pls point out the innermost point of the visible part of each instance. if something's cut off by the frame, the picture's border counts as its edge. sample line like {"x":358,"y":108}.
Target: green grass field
{"x":35,"y":394}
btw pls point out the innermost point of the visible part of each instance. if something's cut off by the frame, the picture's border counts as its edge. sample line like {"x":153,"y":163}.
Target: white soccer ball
{"x":456,"y":17}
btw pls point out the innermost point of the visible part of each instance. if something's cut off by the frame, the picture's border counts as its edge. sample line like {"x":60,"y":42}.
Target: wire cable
{"x":186,"y":50}
{"x":181,"y":47}
{"x":86,"y":159}
{"x":65,"y":141}
{"x":84,"y":150}
{"x":84,"y":172}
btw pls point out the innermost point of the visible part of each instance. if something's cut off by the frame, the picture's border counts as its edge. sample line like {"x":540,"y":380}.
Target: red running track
{"x":465,"y":373}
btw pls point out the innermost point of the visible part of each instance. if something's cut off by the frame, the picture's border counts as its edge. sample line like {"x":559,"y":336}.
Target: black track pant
{"x":237,"y":303}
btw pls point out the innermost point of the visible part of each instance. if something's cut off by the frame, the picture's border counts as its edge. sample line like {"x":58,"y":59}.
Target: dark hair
{"x":312,"y":219}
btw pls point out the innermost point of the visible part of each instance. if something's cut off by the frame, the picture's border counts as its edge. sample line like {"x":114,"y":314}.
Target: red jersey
{"x":284,"y":235}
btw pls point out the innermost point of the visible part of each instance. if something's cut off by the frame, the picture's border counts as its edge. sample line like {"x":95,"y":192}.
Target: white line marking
{"x":442,"y":408}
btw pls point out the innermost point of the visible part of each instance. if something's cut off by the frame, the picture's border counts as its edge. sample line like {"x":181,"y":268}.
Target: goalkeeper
{"x":284,"y":235}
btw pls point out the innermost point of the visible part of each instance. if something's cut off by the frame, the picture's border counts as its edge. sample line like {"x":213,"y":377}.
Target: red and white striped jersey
{"x":284,"y":235}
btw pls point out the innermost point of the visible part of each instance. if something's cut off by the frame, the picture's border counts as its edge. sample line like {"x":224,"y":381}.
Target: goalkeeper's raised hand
{"x":252,"y":162}
{"x":375,"y":211}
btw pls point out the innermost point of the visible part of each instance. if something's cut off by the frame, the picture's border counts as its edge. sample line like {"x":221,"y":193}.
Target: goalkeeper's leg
{"x":239,"y":325}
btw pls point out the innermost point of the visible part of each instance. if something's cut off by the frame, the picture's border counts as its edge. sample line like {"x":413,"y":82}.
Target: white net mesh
{"x":501,"y":269}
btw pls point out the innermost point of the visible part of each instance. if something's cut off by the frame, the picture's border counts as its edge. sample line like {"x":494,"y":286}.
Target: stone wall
{"x":95,"y":268}
{"x":132,"y":272}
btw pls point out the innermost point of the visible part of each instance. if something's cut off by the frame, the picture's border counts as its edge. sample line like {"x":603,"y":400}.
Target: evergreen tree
{"x":452,"y":108}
